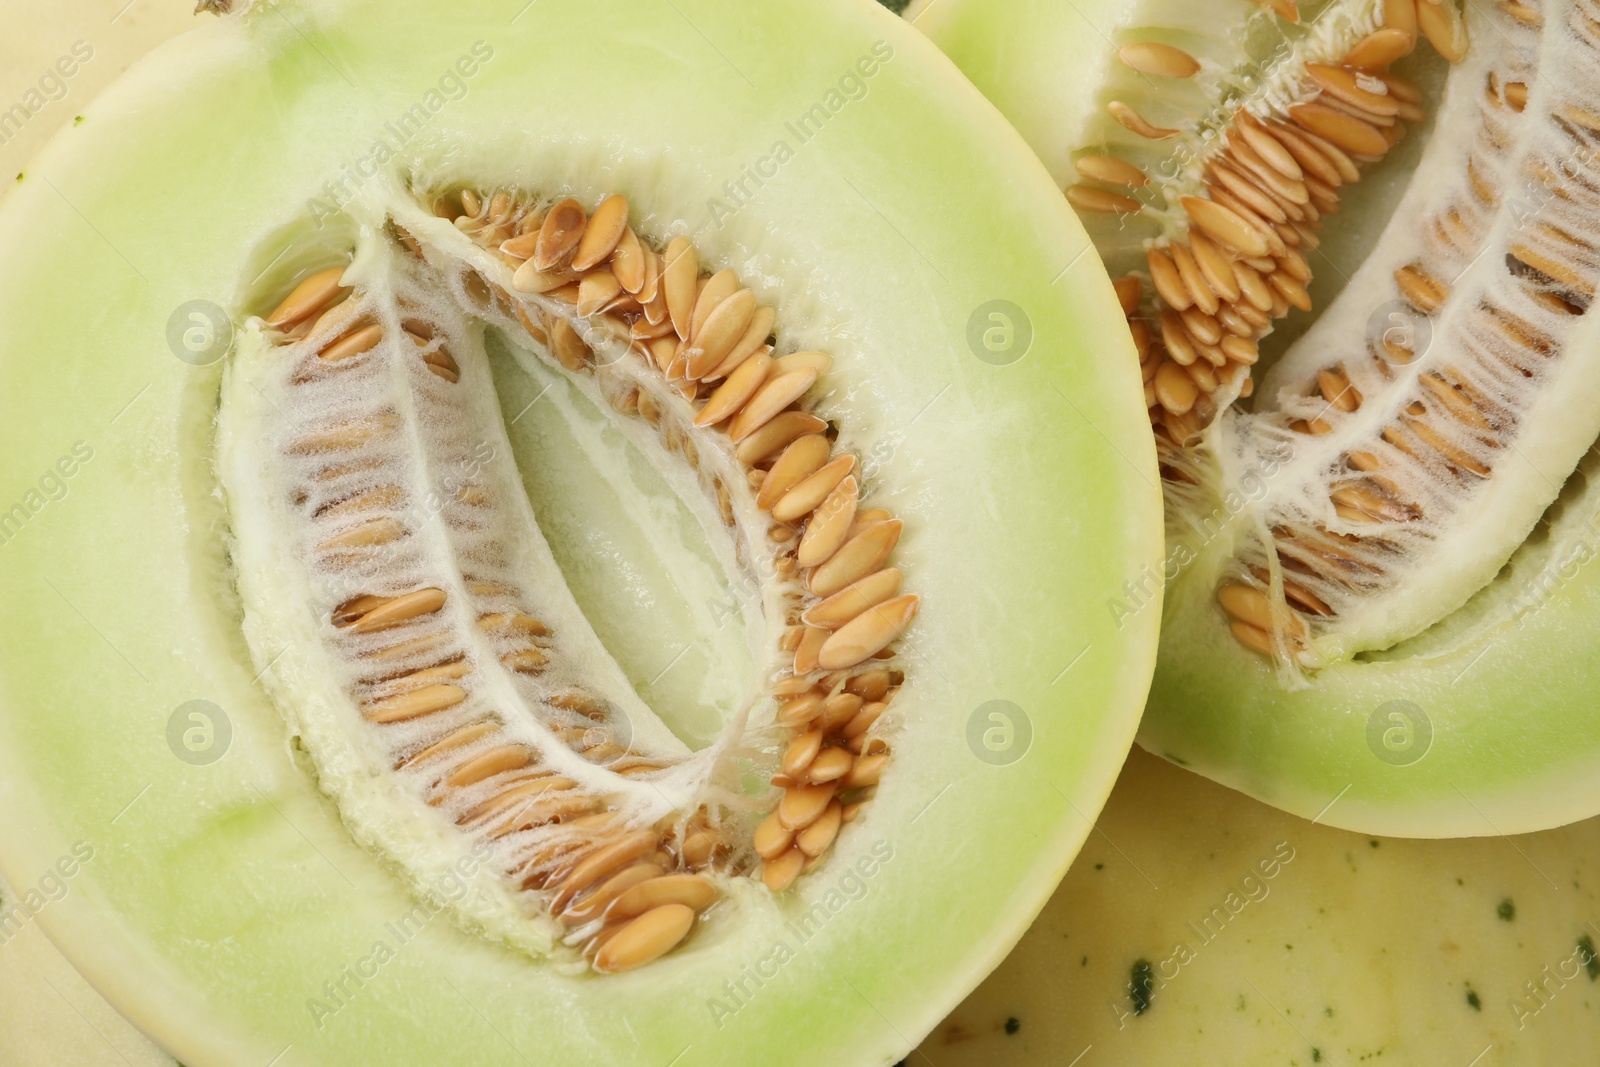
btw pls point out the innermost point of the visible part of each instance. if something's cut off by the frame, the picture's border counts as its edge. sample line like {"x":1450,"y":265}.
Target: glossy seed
{"x":399,"y":609}
{"x":861,"y":555}
{"x":647,"y":938}
{"x":1164,"y":276}
{"x":418,"y":702}
{"x":1225,"y":226}
{"x":803,"y":805}
{"x":1132,"y":120}
{"x":679,"y":279}
{"x":803,"y":457}
{"x":779,"y":874}
{"x":851,"y":601}
{"x":868,"y":633}
{"x":1339,"y":128}
{"x":1093,"y":198}
{"x":778,"y":392}
{"x":488,"y":764}
{"x":307,"y":298}
{"x":1113,"y":170}
{"x":1175,"y":390}
{"x":868,"y":770}
{"x":829,"y":525}
{"x":1380,"y":48}
{"x":693,"y":891}
{"x":808,"y":648}
{"x":1441,"y":23}
{"x":830,"y":765}
{"x":755,"y":337}
{"x":800,"y":752}
{"x":601,"y":235}
{"x":811,"y":491}
{"x":777,"y":434}
{"x":735,"y":391}
{"x":1160,"y":60}
{"x":817,"y":838}
{"x":723,"y":328}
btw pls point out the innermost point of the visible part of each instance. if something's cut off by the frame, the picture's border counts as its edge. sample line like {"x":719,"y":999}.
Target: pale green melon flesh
{"x":1505,"y":680}
{"x":1355,"y":949}
{"x":223,"y":898}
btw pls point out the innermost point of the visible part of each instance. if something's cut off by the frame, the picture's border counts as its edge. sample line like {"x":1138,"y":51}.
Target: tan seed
{"x":1215,"y":265}
{"x":525,"y":660}
{"x":680,"y":278}
{"x":772,"y":839}
{"x":868,"y":633}
{"x":1441,"y":23}
{"x":1419,"y":287}
{"x":367,"y":535}
{"x":466,"y":735}
{"x":1175,"y":390}
{"x":723,"y":328}
{"x":809,"y":493}
{"x":1132,"y":120}
{"x":854,"y":599}
{"x":864,"y":719}
{"x":628,"y":262}
{"x":1248,"y":129}
{"x":783,"y":388}
{"x":863,"y":554}
{"x":1129,"y":290}
{"x":307,"y":298}
{"x":513,"y":621}
{"x":570,"y":349}
{"x":776,"y":434}
{"x":1103,"y":201}
{"x":806,"y":652}
{"x":1205,"y":300}
{"x":801,"y":751}
{"x":871,"y":685}
{"x":1113,"y":170}
{"x":868,"y":770}
{"x":735,"y":392}
{"x":530,"y":279}
{"x":597,"y":902}
{"x":645,"y":939}
{"x":1346,"y":86}
{"x":1339,"y":128}
{"x":804,"y":457}
{"x":599,"y":862}
{"x":1160,"y":60}
{"x":1251,"y":637}
{"x":601,"y":235}
{"x":418,"y":702}
{"x":1380,"y":48}
{"x":829,"y":525}
{"x":800,"y":710}
{"x":1164,"y":276}
{"x":488,"y":764}
{"x":1225,"y":226}
{"x":803,"y":805}
{"x":559,"y":235}
{"x":597,"y":291}
{"x":779,"y":874}
{"x":830,"y":765}
{"x":817,"y":838}
{"x":399,"y":609}
{"x":753,"y":341}
{"x":693,"y":891}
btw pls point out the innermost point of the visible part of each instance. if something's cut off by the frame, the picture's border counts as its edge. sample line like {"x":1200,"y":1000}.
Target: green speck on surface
{"x":1316,"y":1054}
{"x":1289,"y":947}
{"x":1472,"y":998}
{"x":1328,"y":1011}
{"x":1507,"y":910}
{"x":1586,"y":953}
{"x":19,"y":175}
{"x":1099,"y":866}
{"x":1141,"y":986}
{"x":1180,"y":761}
{"x":77,"y":120}
{"x":1085,"y":962}
{"x":1374,"y":844}
{"x":1013,"y":1024}
{"x":896,"y":6}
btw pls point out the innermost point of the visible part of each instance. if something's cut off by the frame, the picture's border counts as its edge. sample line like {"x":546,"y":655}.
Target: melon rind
{"x":223,"y":897}
{"x":1508,"y":701}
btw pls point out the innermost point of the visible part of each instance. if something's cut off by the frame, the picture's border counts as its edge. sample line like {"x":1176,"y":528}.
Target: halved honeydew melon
{"x":228,"y":910}
{"x":1378,"y":610}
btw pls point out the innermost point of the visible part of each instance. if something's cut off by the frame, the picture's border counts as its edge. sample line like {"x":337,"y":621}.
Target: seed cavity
{"x":461,"y":663}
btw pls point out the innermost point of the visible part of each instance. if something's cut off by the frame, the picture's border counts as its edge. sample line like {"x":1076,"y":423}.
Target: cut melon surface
{"x":1200,"y":925}
{"x":1423,"y":667}
{"x":232,"y":910}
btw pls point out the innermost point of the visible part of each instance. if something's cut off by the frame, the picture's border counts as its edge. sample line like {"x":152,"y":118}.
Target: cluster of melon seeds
{"x":1388,"y":441}
{"x":463,"y":658}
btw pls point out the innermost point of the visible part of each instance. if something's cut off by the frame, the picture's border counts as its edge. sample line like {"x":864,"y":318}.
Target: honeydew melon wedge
{"x":227,"y":910}
{"x":1424,"y":661}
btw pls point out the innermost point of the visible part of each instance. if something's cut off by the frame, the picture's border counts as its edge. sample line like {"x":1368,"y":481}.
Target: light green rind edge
{"x":1515,"y":724}
{"x":221,"y":897}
